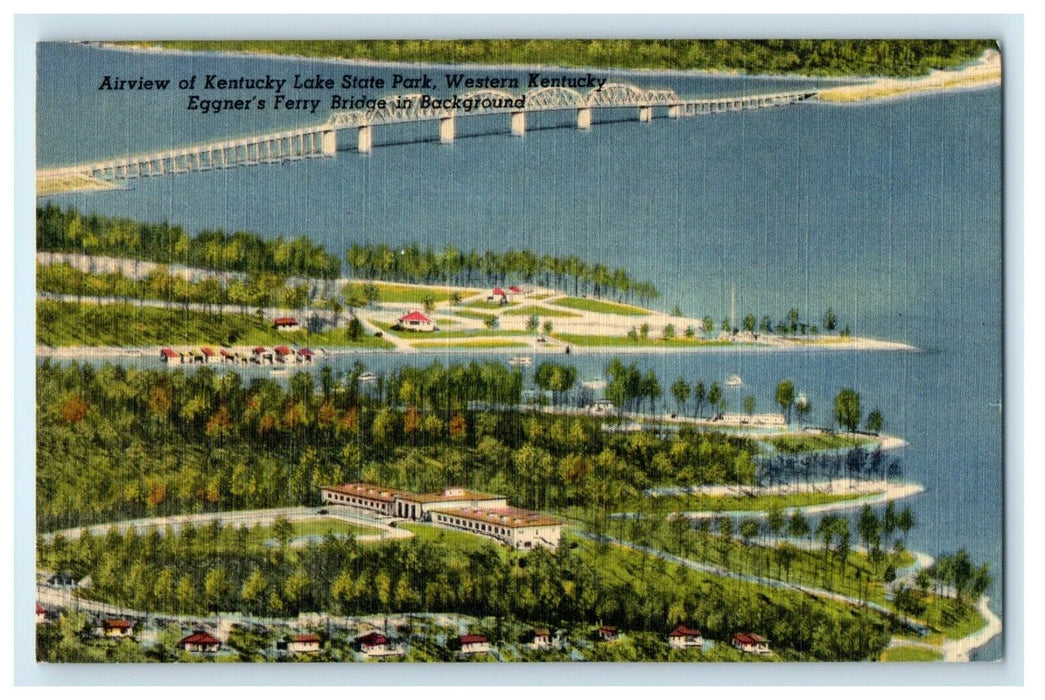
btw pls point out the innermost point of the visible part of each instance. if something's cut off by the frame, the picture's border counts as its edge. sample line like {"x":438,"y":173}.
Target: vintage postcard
{"x":519,"y":351}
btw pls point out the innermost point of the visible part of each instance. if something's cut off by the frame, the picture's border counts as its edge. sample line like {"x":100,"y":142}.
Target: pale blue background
{"x":28,"y":30}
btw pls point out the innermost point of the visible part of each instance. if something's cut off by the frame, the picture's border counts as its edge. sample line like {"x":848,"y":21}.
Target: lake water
{"x":889,"y":212}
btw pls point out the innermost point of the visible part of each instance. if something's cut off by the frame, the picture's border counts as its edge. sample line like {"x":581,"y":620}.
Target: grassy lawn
{"x":795,"y":444}
{"x":491,"y":305}
{"x":623,"y":342}
{"x":431,"y":335}
{"x":318,"y":526}
{"x":411,"y":294}
{"x":601,"y":307}
{"x":473,"y":314}
{"x":458,"y":541}
{"x":128,"y":325}
{"x":694,"y":502}
{"x":470,"y":343}
{"x":540,"y":311}
{"x":953,"y":620}
{"x":906,"y":653}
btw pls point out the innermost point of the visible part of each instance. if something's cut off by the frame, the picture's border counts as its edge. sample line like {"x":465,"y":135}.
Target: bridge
{"x":320,"y":140}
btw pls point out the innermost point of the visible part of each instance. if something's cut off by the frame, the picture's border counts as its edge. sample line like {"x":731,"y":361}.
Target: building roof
{"x":117,"y":624}
{"x":307,"y":638}
{"x":499,"y":292}
{"x":514,"y":290}
{"x":505,"y":517}
{"x":472,"y":639}
{"x":683,"y":631}
{"x":282,"y":350}
{"x":609,"y":629}
{"x":209,"y":352}
{"x":372,"y":640}
{"x":167,"y":352}
{"x":226,"y":353}
{"x":541,"y":632}
{"x":374,"y":493}
{"x":40,"y":610}
{"x":415,"y":316}
{"x":749,"y":638}
{"x":285,"y":321}
{"x":199,"y":637}
{"x":305,"y":352}
{"x":258,"y":350}
{"x":450,"y":494}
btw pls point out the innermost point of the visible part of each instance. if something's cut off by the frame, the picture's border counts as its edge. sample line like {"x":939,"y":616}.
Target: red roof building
{"x":305,"y":644}
{"x":117,"y":628}
{"x":683,"y":637}
{"x":608,"y":634}
{"x":286,"y":323}
{"x":498,"y":292}
{"x":473,"y":644}
{"x":199,"y":642}
{"x":416,"y":321}
{"x":168,"y":355}
{"x":751,"y":643}
{"x":515,"y":290}
{"x":282,"y":350}
{"x":41,"y":614}
{"x":209,"y":352}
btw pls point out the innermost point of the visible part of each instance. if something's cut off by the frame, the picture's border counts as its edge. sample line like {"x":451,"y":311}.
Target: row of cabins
{"x":280,"y":354}
{"x":456,"y":508}
{"x":683,"y":637}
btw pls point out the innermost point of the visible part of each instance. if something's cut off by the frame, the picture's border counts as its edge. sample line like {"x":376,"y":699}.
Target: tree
{"x":874,"y":422}
{"x":669,"y":332}
{"x":547,"y":327}
{"x":749,"y":405}
{"x":785,"y":397}
{"x":699,"y":396}
{"x":766,"y":325}
{"x":709,"y":325}
{"x":792,"y":319}
{"x":283,"y":531}
{"x":905,"y":522}
{"x":532,"y":323}
{"x":830,"y":320}
{"x":847,"y":409}
{"x":868,"y":526}
{"x":715,"y":397}
{"x":680,"y":390}
{"x":749,"y":323}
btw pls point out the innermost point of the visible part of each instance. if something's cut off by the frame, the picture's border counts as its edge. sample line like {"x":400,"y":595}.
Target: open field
{"x":697,"y":502}
{"x":541,"y":311}
{"x":911,"y":653}
{"x":806,"y":442}
{"x":599,"y":306}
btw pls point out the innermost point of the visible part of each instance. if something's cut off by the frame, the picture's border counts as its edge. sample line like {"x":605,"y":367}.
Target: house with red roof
{"x":683,"y":637}
{"x":473,"y":644}
{"x":415,"y":321}
{"x":170,"y":356}
{"x":283,"y":353}
{"x":41,"y":614}
{"x":208,"y":353}
{"x":305,"y":355}
{"x":200,"y":642}
{"x":261,"y":356}
{"x":607,"y":633}
{"x":751,"y":643}
{"x":515,"y":290}
{"x":117,"y":628}
{"x":304,"y":644}
{"x":376,"y":644}
{"x":286,"y":323}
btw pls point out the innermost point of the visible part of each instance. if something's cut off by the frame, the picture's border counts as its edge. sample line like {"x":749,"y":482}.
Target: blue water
{"x":890,"y":213}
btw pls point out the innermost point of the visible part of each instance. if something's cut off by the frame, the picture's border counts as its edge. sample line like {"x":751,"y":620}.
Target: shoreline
{"x":984,"y":73}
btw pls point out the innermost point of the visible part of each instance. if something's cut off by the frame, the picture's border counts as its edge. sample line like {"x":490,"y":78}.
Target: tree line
{"x":893,"y":57}
{"x":412,"y":264}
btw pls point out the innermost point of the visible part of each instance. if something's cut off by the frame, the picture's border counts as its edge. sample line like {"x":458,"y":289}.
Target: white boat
{"x":734,"y":380}
{"x":520,"y":361}
{"x":367,"y":377}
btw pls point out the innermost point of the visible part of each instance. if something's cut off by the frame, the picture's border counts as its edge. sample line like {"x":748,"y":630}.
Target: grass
{"x":540,"y":311}
{"x":909,"y":653}
{"x":473,"y":314}
{"x":540,"y":297}
{"x":410,"y":294}
{"x":318,"y":526}
{"x":695,"y":502}
{"x":491,"y":305}
{"x":470,"y":343}
{"x":461,"y":542}
{"x":621,"y":342}
{"x":953,"y":620}
{"x":64,"y":324}
{"x":429,"y":335}
{"x":600,"y":307}
{"x":796,"y":444}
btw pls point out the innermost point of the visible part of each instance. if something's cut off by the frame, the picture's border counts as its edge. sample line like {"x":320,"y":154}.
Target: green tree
{"x":785,"y":397}
{"x":715,"y":398}
{"x":847,"y":409}
{"x":830,"y":320}
{"x":749,"y":405}
{"x":680,"y":390}
{"x":874,"y":422}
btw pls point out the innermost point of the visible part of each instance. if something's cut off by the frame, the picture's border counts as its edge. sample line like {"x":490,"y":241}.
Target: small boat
{"x":367,"y":377}
{"x":734,"y":380}
{"x":520,"y":361}
{"x":594,"y":384}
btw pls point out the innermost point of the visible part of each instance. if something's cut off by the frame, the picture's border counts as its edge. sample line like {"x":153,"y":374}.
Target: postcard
{"x":519,"y":351}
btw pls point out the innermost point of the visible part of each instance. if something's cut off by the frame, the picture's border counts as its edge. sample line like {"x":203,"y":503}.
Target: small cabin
{"x":41,"y":614}
{"x":284,"y":354}
{"x":169,"y":356}
{"x":606,"y":633}
{"x":473,"y":644}
{"x":416,"y":321}
{"x":117,"y":628}
{"x":540,"y":638}
{"x":200,"y":642}
{"x":377,"y":644}
{"x":751,"y":643}
{"x":286,"y":323}
{"x":683,"y":637}
{"x":304,"y":644}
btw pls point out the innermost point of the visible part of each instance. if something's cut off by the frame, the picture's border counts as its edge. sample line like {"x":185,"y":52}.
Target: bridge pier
{"x":518,"y":123}
{"x":584,"y":118}
{"x":446,"y":130}
{"x":329,"y":142}
{"x":673,"y":112}
{"x":366,"y":140}
{"x":646,"y":114}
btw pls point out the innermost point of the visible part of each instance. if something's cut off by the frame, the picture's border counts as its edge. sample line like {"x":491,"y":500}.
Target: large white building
{"x":457,"y":508}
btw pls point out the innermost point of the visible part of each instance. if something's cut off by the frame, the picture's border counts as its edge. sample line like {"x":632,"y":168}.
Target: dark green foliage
{"x":904,"y":57}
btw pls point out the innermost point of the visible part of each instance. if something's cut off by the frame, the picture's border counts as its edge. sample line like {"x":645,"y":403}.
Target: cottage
{"x":751,"y":643}
{"x":117,"y":628}
{"x":208,"y":353}
{"x":304,"y":644}
{"x":606,"y":633}
{"x":473,"y":644}
{"x":376,"y":644}
{"x":261,"y":356}
{"x":283,"y":354}
{"x":286,"y":323}
{"x":305,"y":355}
{"x":169,"y":356}
{"x":416,"y":321}
{"x":515,"y":290}
{"x":683,"y":637}
{"x":540,"y":638}
{"x":199,"y":642}
{"x":41,"y":614}
{"x":227,"y":356}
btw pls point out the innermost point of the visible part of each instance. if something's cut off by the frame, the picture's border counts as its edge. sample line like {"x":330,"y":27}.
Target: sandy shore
{"x":986,"y":72}
{"x":70,"y":183}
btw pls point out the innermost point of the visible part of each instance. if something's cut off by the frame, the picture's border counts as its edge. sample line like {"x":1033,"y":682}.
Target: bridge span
{"x":320,"y":140}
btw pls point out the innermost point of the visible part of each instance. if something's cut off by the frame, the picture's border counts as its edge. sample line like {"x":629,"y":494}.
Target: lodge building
{"x":456,"y":508}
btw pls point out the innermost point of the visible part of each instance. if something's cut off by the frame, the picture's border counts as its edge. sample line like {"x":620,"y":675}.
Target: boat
{"x":734,"y":380}
{"x":367,"y":377}
{"x":520,"y":361}
{"x":594,"y":384}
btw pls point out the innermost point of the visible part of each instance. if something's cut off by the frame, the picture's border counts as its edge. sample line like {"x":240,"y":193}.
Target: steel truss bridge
{"x":320,"y":140}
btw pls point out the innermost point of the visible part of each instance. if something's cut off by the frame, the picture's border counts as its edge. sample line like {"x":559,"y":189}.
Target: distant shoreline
{"x":986,"y":72}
